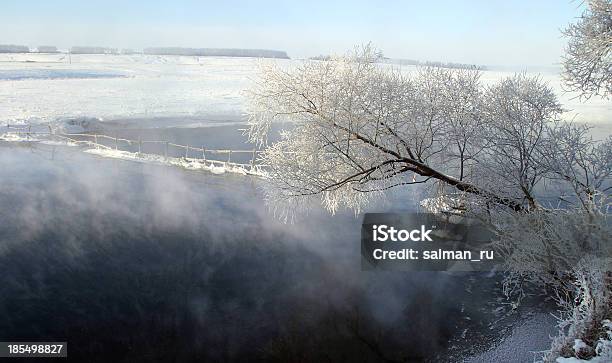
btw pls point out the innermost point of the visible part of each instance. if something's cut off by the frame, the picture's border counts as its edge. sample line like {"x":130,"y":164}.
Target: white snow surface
{"x":152,"y":86}
{"x":146,"y":87}
{"x":215,"y":167}
{"x":14,"y":137}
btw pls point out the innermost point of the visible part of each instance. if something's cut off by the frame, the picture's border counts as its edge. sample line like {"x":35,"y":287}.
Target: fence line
{"x":253,"y":167}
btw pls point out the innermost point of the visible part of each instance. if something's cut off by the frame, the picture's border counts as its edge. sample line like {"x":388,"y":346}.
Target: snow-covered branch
{"x":588,"y":60}
{"x":359,"y":127}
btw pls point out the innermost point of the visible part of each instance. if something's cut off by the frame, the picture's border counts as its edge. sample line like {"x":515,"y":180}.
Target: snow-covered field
{"x":48,"y":87}
{"x":134,"y":87}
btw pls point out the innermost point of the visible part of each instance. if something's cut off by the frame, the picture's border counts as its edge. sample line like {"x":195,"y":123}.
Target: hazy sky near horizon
{"x":494,"y":32}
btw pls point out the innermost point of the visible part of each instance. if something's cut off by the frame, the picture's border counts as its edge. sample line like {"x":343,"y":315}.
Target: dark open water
{"x":131,"y":262}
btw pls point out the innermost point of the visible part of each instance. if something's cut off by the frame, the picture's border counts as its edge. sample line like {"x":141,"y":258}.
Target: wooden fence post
{"x":229,"y":156}
{"x":116,"y":143}
{"x":253,"y":159}
{"x":203,"y":153}
{"x":166,"y":151}
{"x":187,"y":152}
{"x":139,"y":145}
{"x":96,"y":141}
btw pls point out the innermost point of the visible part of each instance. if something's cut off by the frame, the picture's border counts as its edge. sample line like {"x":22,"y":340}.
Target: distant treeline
{"x":47,"y":49}
{"x":433,"y":64}
{"x":217,"y":52}
{"x":203,"y":52}
{"x":93,"y":50}
{"x":413,"y":62}
{"x":9,"y":48}
{"x":100,"y":50}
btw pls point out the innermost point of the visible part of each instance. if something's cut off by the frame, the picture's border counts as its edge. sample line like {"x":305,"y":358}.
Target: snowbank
{"x":150,"y":87}
{"x":213,"y":166}
{"x":11,"y":137}
{"x":15,"y":137}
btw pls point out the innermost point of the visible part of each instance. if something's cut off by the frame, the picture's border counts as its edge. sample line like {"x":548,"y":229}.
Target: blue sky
{"x":495,"y":32}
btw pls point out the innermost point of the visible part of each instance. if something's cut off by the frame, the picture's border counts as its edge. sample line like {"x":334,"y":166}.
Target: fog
{"x":132,"y":262}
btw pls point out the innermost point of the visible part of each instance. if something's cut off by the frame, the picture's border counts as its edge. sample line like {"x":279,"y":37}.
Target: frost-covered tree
{"x":575,"y":242}
{"x":585,"y":328}
{"x":574,"y":158}
{"x":500,"y":153}
{"x":520,"y":111}
{"x":587,"y":63}
{"x":359,"y":128}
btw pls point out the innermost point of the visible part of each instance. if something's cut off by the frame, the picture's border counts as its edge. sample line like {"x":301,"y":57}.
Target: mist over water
{"x":136,"y":262}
